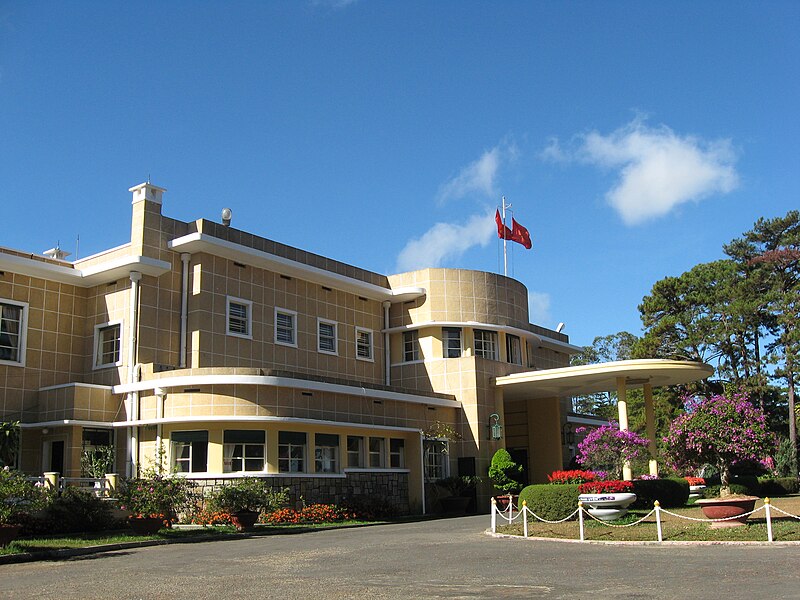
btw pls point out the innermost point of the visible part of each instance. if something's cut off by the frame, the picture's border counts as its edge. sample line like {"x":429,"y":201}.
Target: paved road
{"x":435,"y":559}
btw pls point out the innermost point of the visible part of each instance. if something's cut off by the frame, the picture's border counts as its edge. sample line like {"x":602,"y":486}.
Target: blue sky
{"x":632,"y":138}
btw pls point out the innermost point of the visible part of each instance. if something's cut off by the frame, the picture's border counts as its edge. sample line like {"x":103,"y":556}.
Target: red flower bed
{"x":573,"y":476}
{"x":695,"y":480}
{"x":615,"y":486}
{"x":313,"y":513}
{"x":210,"y":517}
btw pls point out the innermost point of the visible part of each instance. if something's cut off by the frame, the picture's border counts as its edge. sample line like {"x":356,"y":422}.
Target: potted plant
{"x":607,"y":500}
{"x":153,"y":500}
{"x":457,"y":486}
{"x":244,"y":499}
{"x":696,"y":486}
{"x":504,"y":474}
{"x":18,"y":498}
{"x":720,"y":430}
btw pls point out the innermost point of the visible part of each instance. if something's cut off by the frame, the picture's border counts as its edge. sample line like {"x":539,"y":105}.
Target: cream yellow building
{"x":239,"y":355}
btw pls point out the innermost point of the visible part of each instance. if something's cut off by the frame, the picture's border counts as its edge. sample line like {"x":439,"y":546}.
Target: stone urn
{"x":608,"y":506}
{"x":726,"y":508}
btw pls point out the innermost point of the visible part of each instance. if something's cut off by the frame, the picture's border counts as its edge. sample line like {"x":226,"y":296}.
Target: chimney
{"x":147,"y":191}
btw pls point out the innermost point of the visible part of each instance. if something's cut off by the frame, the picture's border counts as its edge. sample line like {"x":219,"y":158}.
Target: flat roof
{"x":602,"y":377}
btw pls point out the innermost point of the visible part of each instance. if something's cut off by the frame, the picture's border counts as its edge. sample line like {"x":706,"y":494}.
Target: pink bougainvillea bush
{"x":719,"y":430}
{"x":608,"y":448}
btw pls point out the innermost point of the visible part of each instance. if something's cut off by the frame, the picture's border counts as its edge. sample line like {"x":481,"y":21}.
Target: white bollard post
{"x":525,"y":517}
{"x":657,"y":505}
{"x":494,"y":515}
{"x":510,"y":509}
{"x":580,"y":518}
{"x":769,"y":519}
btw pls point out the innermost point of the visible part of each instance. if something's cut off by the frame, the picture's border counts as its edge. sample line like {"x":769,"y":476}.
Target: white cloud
{"x":658,"y":169}
{"x":478,"y":176}
{"x":446,"y":242}
{"x":539,"y":308}
{"x":553,"y":152}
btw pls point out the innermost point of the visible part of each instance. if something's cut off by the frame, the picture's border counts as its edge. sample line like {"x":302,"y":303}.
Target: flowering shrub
{"x":18,"y":496}
{"x":573,"y":476}
{"x":247,"y":494}
{"x":695,"y":480}
{"x":154,"y":496}
{"x":205,"y":516}
{"x":721,"y":431}
{"x":613,"y":486}
{"x":647,"y":477}
{"x":609,"y":448}
{"x":313,"y":513}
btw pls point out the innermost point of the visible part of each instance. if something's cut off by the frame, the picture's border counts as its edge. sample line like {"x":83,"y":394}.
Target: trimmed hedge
{"x":670,"y":492}
{"x":551,"y":502}
{"x":778,"y":486}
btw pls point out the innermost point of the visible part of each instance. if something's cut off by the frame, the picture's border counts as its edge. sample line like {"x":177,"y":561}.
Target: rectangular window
{"x":410,"y":345}
{"x":376,"y":453}
{"x":326,"y":453}
{"x":291,"y":451}
{"x":108,"y":345}
{"x":326,"y":336}
{"x":243,"y":450}
{"x":355,"y":451}
{"x":190,"y":451}
{"x":486,"y":344}
{"x":13,"y":318}
{"x":436,"y":465}
{"x":451,"y":342}
{"x":363,"y":344}
{"x":239,"y":315}
{"x":397,"y":453}
{"x":513,"y":349}
{"x":285,"y":327}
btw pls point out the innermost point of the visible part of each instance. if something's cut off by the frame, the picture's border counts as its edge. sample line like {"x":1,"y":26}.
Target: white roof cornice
{"x":203,"y":242}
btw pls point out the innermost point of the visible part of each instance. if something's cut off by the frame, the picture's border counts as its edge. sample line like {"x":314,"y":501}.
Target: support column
{"x":650,"y":421}
{"x":622,"y":410}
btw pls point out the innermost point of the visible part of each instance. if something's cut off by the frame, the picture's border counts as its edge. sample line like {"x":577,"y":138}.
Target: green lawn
{"x":673,"y":528}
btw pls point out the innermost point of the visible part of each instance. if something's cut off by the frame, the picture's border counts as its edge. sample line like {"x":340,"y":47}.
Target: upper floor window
{"x":108,"y":345}
{"x":190,"y":451}
{"x":486,"y":344}
{"x":239,"y":317}
{"x":326,"y":336}
{"x":451,"y":342}
{"x":513,"y":349}
{"x":243,"y":450}
{"x":363,"y":344}
{"x":410,"y":345}
{"x":285,"y":327}
{"x":13,"y":318}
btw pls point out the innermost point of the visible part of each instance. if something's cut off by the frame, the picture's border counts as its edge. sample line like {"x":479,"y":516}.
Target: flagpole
{"x":505,"y":241}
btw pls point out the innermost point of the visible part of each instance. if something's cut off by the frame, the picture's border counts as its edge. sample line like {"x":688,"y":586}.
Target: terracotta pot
{"x":503,"y":501}
{"x":244,"y":519}
{"x":8,"y":533}
{"x":723,"y":508}
{"x":145,"y":525}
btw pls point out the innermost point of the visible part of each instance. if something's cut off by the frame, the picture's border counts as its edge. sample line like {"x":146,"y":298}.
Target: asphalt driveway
{"x":450,"y":558}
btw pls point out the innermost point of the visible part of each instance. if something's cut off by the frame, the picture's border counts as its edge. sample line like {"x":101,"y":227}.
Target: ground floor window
{"x":291,"y":451}
{"x":190,"y":451}
{"x":397,"y":453}
{"x":355,"y":451}
{"x":326,"y":453}
{"x":376,"y":453}
{"x":243,"y":450}
{"x":435,"y":455}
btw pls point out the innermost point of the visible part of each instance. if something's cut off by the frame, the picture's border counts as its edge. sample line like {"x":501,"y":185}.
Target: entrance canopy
{"x":603,"y":377}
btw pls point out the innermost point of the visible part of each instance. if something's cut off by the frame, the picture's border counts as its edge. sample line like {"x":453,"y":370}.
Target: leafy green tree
{"x":607,"y":348}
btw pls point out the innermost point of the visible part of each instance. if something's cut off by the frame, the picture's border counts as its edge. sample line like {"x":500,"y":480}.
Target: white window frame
{"x":228,"y":454}
{"x":370,"y":347}
{"x":446,"y":339}
{"x":177,"y":445}
{"x":335,"y":325}
{"x":291,"y":460}
{"x":398,"y":456}
{"x":323,"y":454}
{"x":22,"y":334}
{"x":98,"y":330}
{"x":248,"y":319}
{"x":380,"y":454}
{"x":436,"y":463}
{"x":488,"y":343}
{"x":358,"y":453}
{"x":293,"y":315}
{"x":411,"y":336}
